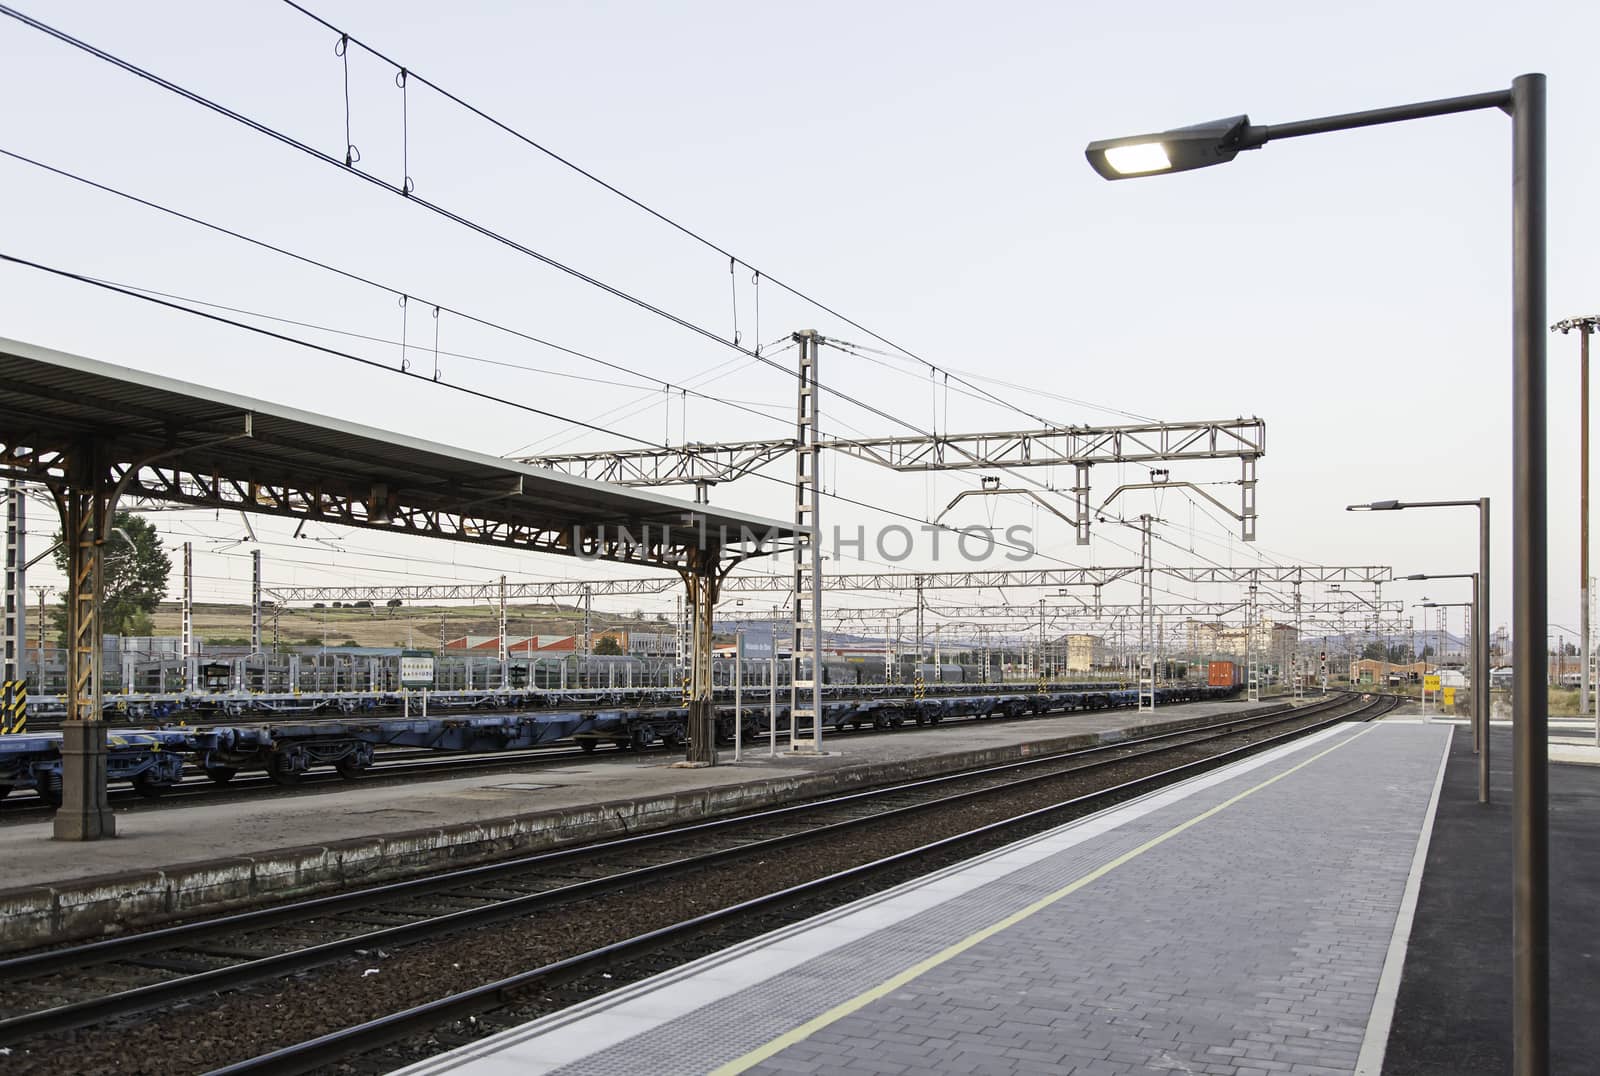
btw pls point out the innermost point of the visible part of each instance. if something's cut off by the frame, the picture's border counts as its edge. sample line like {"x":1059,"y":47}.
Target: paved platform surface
{"x":252,"y":825}
{"x":1454,"y":1011}
{"x":1242,"y":923}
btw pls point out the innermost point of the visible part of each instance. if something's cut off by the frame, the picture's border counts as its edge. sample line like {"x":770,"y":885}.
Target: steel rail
{"x":82,"y":1013}
{"x":314,"y":1053}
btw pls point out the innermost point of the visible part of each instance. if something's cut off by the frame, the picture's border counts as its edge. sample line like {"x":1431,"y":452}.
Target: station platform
{"x":1251,"y":920}
{"x":172,"y":860}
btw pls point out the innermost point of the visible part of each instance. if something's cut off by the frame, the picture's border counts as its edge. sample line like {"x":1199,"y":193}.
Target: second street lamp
{"x":1480,"y":658}
{"x":1219,"y":142}
{"x":1480,"y":670}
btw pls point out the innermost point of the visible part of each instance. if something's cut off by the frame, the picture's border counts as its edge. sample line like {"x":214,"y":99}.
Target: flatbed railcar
{"x":151,"y":760}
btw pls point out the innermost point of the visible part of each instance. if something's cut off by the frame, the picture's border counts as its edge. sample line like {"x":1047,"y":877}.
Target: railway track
{"x":90,"y":984}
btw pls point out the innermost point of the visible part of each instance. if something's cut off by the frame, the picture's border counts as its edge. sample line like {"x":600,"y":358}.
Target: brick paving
{"x":1248,"y":943}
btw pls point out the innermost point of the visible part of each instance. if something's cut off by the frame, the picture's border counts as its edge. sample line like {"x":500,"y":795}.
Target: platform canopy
{"x":167,"y":440}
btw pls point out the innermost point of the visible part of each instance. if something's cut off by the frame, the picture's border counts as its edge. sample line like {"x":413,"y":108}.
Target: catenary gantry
{"x":756,"y":583}
{"x":93,"y":432}
{"x":1081,"y":447}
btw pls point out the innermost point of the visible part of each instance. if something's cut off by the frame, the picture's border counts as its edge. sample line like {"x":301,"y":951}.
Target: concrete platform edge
{"x":109,"y":904}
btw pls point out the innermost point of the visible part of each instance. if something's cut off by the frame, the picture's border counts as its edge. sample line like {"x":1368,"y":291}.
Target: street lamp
{"x":1222,"y":140}
{"x":1480,"y":673}
{"x":1521,"y":747}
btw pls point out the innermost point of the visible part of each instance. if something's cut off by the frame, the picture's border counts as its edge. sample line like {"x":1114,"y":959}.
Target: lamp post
{"x":1586,"y":327}
{"x":1222,"y":140}
{"x":1480,"y":673}
{"x":1480,"y":660}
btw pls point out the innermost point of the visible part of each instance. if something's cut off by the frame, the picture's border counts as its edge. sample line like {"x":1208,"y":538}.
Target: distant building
{"x":1086,"y":653}
{"x":1271,"y":641}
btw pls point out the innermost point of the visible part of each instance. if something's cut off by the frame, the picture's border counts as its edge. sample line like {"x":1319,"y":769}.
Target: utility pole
{"x":255,"y":603}
{"x":43,"y":592}
{"x":503,"y":653}
{"x":188,"y":619}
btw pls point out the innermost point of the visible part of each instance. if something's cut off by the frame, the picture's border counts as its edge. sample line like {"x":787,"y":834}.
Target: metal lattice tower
{"x":1147,"y":667}
{"x":807,"y":636}
{"x":188,"y":617}
{"x":1295,"y":665}
{"x":1252,"y":666}
{"x":917,"y":682}
{"x":16,"y":610}
{"x":503,"y":652}
{"x":255,"y":603}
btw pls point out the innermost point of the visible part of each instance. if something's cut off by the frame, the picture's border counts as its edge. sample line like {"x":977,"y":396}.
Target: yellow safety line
{"x":840,"y":1011}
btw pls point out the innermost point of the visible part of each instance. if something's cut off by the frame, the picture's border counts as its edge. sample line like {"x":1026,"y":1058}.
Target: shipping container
{"x":1224,"y":674}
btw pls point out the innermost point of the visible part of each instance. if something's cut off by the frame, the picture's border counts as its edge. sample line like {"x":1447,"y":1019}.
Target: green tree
{"x":607,"y":644}
{"x":1375,"y":651}
{"x":135,"y":575}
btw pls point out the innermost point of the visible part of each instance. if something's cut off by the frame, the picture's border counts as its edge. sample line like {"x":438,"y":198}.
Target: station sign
{"x":757,"y":639}
{"x":1449,"y":696}
{"x":416,"y":668}
{"x":1430,"y":683}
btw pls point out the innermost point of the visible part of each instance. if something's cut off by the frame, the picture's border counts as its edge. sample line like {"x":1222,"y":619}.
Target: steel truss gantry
{"x":752,"y":583}
{"x":703,"y":464}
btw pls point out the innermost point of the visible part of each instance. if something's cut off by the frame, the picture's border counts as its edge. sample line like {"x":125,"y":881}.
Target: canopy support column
{"x":86,"y":503}
{"x":703,"y":581}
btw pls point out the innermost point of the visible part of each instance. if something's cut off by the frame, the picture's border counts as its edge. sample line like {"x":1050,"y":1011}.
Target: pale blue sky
{"x":917,"y":166}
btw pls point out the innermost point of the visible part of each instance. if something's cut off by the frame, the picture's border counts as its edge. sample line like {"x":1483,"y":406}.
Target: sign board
{"x":757,"y":639}
{"x":1449,"y":696}
{"x":416,"y":668}
{"x":1430,"y":683}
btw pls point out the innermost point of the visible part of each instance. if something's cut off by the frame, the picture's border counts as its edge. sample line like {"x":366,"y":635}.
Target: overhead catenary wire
{"x":733,"y":259}
{"x":448,"y":214}
{"x":476,"y":393}
{"x":490,"y":233}
{"x":360,"y":279}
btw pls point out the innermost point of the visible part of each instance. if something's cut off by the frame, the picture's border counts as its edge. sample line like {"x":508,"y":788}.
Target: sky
{"x":916,"y":167}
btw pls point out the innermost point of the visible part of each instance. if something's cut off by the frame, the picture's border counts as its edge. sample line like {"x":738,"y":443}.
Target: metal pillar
{"x":187,"y":644}
{"x":1583,"y":516}
{"x":807,"y":555}
{"x":43,"y":593}
{"x":681,"y":643}
{"x":14,"y":691}
{"x":255,"y":603}
{"x":1298,"y":682}
{"x":86,"y":504}
{"x":702,"y":581}
{"x":503,"y":652}
{"x":918,"y":684}
{"x":1080,"y":498}
{"x":588,"y":617}
{"x":1147,"y":668}
{"x":1530,"y":844}
{"x":1252,"y":681}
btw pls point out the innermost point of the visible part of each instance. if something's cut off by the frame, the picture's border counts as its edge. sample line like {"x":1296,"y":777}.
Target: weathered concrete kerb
{"x":109,"y":904}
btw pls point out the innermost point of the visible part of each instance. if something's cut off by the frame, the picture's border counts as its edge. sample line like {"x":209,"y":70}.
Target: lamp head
{"x":1414,"y":578}
{"x":1178,"y":150}
{"x":1375,"y":506}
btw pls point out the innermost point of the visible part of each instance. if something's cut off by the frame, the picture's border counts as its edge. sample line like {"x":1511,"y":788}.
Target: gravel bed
{"x":205,"y":1033}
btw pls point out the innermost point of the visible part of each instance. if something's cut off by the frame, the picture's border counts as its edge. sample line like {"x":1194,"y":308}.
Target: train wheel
{"x":280,"y":773}
{"x":49,"y":791}
{"x":588,"y":746}
{"x":148,"y":787}
{"x":672,"y":741}
{"x":350,"y":769}
{"x":5,"y":790}
{"x":221,"y":774}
